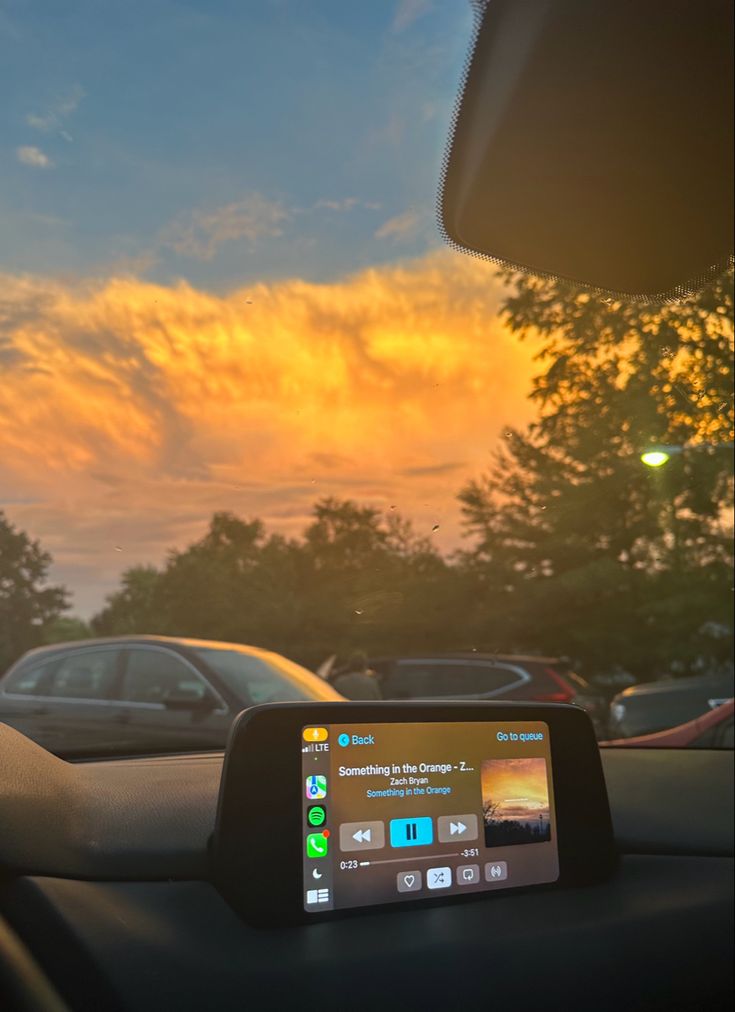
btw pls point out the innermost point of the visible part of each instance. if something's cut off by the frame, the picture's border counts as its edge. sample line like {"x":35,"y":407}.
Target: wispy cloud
{"x":402,"y":226}
{"x":47,"y":220}
{"x":201,"y":232}
{"x":345,"y":204}
{"x":53,"y":119}
{"x":33,"y":157}
{"x":407,"y":12}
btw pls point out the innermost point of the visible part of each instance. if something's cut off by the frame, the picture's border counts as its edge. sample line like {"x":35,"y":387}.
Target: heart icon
{"x":409,"y":880}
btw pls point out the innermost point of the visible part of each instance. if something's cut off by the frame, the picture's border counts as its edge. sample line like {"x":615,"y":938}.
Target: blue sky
{"x":221,"y":281}
{"x":223,"y":141}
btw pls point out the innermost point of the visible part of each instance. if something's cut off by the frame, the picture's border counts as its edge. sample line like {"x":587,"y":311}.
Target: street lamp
{"x":657,"y":456}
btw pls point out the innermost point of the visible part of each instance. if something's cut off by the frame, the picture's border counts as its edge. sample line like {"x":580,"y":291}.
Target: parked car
{"x":485,"y":676}
{"x":713,"y":729}
{"x":145,"y":693}
{"x":657,"y":706}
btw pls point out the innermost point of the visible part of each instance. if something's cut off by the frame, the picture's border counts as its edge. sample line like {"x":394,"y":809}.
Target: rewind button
{"x":361,"y":836}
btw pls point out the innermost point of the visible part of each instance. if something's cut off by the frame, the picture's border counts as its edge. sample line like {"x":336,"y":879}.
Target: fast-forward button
{"x":457,"y":828}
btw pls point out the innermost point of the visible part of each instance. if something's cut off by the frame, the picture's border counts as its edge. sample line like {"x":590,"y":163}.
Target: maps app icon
{"x":316,"y":787}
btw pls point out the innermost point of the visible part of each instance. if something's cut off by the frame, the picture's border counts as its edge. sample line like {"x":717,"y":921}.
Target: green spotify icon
{"x":316,"y":815}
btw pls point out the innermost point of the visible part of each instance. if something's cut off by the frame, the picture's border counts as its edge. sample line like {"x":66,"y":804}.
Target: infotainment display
{"x":333,"y":809}
{"x":400,"y":811}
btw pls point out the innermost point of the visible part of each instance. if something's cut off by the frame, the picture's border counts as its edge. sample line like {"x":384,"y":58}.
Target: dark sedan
{"x":134,"y":694}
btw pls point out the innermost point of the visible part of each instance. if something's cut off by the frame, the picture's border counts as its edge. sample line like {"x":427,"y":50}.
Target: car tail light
{"x":565,"y":693}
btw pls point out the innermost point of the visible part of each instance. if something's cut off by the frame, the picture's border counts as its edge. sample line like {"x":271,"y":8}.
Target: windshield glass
{"x":248,"y":395}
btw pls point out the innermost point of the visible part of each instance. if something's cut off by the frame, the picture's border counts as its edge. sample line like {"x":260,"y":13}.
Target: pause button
{"x":411,"y":832}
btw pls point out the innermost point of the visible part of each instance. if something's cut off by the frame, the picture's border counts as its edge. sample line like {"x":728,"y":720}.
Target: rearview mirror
{"x":594,"y":142}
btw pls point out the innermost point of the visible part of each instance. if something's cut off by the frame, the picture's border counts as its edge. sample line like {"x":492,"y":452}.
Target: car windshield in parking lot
{"x":254,"y":408}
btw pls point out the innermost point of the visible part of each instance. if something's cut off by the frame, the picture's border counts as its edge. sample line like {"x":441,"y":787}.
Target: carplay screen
{"x":412,"y":811}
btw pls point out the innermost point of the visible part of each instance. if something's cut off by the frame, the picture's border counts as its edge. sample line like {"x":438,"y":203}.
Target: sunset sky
{"x":221,"y":283}
{"x":520,"y":785}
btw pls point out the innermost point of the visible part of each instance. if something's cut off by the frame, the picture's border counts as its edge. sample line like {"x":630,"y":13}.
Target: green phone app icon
{"x":317,"y":845}
{"x":316,"y":815}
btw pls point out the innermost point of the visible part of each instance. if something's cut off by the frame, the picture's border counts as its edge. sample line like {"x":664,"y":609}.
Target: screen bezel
{"x":256,"y":850}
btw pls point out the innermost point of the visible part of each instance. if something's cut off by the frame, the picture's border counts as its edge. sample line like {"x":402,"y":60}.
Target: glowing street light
{"x":655,"y":458}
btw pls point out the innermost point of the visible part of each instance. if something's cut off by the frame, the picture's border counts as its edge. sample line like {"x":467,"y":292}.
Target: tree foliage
{"x":28,"y":604}
{"x":578,"y":547}
{"x":357,"y":577}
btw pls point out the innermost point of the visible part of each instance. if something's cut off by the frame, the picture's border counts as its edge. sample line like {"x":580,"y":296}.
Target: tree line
{"x":573,"y":547}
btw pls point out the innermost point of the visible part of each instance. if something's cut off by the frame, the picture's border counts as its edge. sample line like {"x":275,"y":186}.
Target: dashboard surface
{"x":103,"y":874}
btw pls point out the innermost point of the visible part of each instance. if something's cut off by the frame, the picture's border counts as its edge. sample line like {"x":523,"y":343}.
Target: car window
{"x":254,"y":680}
{"x":30,"y":681}
{"x":436,"y":678}
{"x":153,"y":675}
{"x":88,"y":675}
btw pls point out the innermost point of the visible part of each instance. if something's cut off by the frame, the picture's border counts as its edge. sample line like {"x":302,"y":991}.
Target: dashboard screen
{"x":407,"y":811}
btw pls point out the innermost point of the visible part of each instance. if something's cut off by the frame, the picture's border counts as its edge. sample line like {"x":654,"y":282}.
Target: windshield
{"x":249,"y":396}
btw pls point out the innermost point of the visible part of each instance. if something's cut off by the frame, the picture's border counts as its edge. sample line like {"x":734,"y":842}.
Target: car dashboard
{"x":105,"y":879}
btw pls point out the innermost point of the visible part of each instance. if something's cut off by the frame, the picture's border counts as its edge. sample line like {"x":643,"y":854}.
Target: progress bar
{"x":409,"y":860}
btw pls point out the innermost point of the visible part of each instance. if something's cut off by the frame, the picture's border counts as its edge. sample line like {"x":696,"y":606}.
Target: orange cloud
{"x":130,"y":411}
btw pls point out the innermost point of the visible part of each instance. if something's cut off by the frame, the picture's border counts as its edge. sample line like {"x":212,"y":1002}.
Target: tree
{"x":28,"y":605}
{"x":374,"y":584}
{"x":66,"y":629}
{"x":131,"y":608}
{"x":356,"y":578}
{"x":578,"y":548}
